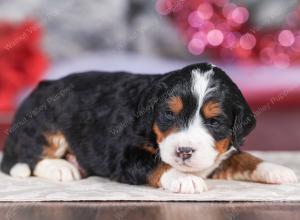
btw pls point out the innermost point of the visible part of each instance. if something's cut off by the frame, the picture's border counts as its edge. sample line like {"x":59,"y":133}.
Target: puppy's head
{"x":199,"y":113}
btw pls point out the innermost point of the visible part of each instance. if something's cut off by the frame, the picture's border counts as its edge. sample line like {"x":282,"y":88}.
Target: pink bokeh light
{"x":247,"y":41}
{"x":227,"y":9}
{"x":223,"y":28}
{"x":195,"y":19}
{"x":286,"y":38}
{"x":205,"y":10}
{"x":196,"y":46}
{"x":215,"y":37}
{"x":230,"y":41}
{"x":239,"y":15}
{"x":201,"y":35}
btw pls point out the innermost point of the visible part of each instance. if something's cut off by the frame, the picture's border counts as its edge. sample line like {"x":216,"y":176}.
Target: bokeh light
{"x":215,"y":37}
{"x":195,"y":19}
{"x":227,"y":10}
{"x":230,"y":41}
{"x":224,"y":28}
{"x":286,"y":38}
{"x":196,"y":46}
{"x":247,"y":41}
{"x":205,"y":11}
{"x":239,"y":15}
{"x":201,"y":35}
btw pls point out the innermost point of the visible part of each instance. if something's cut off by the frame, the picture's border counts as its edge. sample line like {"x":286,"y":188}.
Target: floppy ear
{"x":244,"y":120}
{"x":145,"y":110}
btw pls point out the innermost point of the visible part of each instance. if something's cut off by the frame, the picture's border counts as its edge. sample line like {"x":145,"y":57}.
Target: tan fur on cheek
{"x":154,"y":177}
{"x":211,"y":109}
{"x":150,"y":149}
{"x":223,"y":145}
{"x":160,"y":135}
{"x":56,"y":146}
{"x":175,"y":104}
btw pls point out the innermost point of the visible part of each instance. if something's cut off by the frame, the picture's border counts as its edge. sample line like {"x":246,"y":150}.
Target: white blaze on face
{"x":195,"y":135}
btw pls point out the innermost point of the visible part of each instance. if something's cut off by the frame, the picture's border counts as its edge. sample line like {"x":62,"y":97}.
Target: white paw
{"x":273,"y":173}
{"x":179,"y":182}
{"x":20,"y":170}
{"x":57,"y":170}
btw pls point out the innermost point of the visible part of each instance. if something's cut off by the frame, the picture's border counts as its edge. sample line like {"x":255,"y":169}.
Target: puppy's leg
{"x":244,"y":166}
{"x":52,"y":166}
{"x":50,"y":163}
{"x":175,"y":181}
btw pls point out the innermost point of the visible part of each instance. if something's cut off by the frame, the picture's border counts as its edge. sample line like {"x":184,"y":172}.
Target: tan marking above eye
{"x":211,"y":109}
{"x":160,"y":135}
{"x":175,"y":104}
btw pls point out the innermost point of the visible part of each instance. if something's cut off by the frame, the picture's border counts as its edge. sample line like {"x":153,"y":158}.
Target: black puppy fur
{"x":107,"y":119}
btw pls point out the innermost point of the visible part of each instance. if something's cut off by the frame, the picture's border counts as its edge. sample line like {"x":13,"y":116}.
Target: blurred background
{"x":257,"y":42}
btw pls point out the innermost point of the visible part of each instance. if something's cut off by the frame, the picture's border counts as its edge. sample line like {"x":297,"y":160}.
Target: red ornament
{"x":22,"y":62}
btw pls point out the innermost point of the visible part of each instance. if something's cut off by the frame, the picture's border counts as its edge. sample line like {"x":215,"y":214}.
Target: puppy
{"x":168,"y":130}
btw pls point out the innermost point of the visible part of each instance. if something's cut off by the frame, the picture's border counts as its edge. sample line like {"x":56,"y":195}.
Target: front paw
{"x":274,"y":174}
{"x":57,"y":170}
{"x":178,"y":182}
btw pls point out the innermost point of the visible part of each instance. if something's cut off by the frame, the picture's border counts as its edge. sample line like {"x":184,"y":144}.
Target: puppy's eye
{"x":169,"y":114}
{"x":214,"y":121}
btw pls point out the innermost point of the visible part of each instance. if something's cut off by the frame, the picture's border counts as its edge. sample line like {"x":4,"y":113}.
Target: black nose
{"x":184,"y":152}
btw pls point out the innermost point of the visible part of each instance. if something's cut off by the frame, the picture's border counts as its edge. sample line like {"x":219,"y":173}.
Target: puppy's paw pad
{"x":178,"y":182}
{"x":57,"y":170}
{"x":274,"y":174}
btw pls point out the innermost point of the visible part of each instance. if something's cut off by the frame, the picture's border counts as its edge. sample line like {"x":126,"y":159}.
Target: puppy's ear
{"x":151,"y":96}
{"x":243,"y":118}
